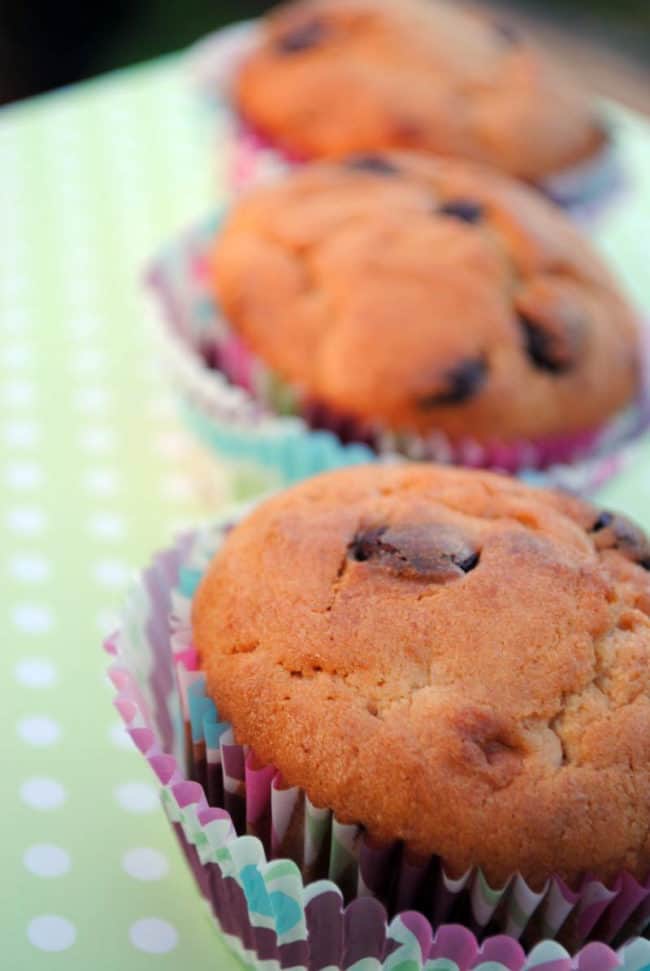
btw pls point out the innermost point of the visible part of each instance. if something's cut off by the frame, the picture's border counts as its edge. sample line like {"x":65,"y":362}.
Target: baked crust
{"x":450,"y":658}
{"x":421,"y":294}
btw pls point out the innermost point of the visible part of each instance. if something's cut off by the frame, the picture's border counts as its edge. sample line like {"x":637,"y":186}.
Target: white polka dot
{"x":111,"y":573}
{"x":101,"y":482}
{"x":27,"y":520}
{"x":161,"y":408}
{"x":18,"y":394}
{"x":153,"y":935}
{"x":32,"y":618}
{"x":46,"y":860}
{"x":79,"y":290}
{"x":177,"y":488}
{"x":15,"y":286}
{"x":78,"y":260}
{"x":29,"y":567}
{"x":80,"y":302}
{"x":97,"y":439}
{"x":20,"y":434}
{"x":74,"y":232}
{"x":15,"y":320}
{"x":145,"y":864}
{"x":42,"y":793}
{"x":84,"y":325}
{"x":17,"y":356}
{"x":150,"y":371}
{"x":87,"y":360}
{"x":106,"y":526}
{"x":120,"y":737}
{"x":107,"y":621}
{"x":51,"y":933}
{"x":180,"y":525}
{"x":23,"y":475}
{"x":137,"y":797}
{"x":38,"y":730}
{"x":35,"y":672}
{"x":171,"y":445}
{"x":92,"y":400}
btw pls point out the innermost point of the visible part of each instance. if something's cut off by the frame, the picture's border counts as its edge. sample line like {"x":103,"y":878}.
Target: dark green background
{"x":47,"y":44}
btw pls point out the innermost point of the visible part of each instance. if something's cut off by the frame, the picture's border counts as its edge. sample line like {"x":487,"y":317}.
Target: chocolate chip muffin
{"x":419,"y":295}
{"x":450,"y":658}
{"x":331,"y":77}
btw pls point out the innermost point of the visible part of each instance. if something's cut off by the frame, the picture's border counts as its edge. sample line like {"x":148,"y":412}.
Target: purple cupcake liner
{"x":263,"y":858}
{"x":225,"y":383}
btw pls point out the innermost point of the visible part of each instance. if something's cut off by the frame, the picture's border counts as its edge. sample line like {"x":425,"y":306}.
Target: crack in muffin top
{"x":330,"y":77}
{"x":417,"y":295}
{"x":449,"y":658}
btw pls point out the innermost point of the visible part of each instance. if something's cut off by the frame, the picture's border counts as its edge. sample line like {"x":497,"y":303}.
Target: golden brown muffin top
{"x":421,"y":294}
{"x":448,"y":657}
{"x":330,"y":77}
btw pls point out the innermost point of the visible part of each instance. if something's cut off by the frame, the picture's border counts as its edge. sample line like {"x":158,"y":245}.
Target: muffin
{"x":450,"y":659}
{"x":457,"y":663}
{"x":326,"y":78}
{"x":408,"y":302}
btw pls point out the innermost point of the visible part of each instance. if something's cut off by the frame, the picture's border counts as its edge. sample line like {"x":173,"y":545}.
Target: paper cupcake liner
{"x":289,"y":886}
{"x":588,"y":187}
{"x":239,"y":408}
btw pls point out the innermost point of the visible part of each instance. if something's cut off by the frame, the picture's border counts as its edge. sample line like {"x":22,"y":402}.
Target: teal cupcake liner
{"x":289,"y":454}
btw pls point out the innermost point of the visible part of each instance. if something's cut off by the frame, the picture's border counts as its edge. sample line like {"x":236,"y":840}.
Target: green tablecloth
{"x":94,"y":474}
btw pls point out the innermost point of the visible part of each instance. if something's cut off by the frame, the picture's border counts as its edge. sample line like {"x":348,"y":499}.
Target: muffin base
{"x":265,"y":888}
{"x":237,"y":406}
{"x":589,"y":187}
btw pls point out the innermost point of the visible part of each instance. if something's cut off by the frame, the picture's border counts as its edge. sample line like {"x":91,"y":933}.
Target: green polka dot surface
{"x":95,"y":474}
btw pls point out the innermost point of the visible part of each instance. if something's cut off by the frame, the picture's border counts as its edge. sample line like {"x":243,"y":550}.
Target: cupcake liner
{"x":239,"y":408}
{"x":592,"y":186}
{"x":588,"y":187}
{"x":288,"y":885}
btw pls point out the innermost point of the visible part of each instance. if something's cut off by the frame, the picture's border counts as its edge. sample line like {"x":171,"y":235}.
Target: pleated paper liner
{"x":290,"y":886}
{"x":589,"y":187}
{"x":240,"y":409}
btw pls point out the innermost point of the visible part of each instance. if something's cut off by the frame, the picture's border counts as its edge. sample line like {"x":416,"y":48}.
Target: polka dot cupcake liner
{"x":589,"y":188}
{"x":241,"y":410}
{"x":288,"y":885}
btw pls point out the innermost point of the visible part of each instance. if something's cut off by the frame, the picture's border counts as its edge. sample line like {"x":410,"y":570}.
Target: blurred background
{"x":47,"y":44}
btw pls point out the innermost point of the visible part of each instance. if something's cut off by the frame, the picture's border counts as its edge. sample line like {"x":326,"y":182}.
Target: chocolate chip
{"x":464,"y":209}
{"x":458,"y":384}
{"x":372,"y":163}
{"x":617,"y":532}
{"x":552,"y":348}
{"x":468,"y":563}
{"x":604,"y":519}
{"x":427,"y":551}
{"x":301,"y":38}
{"x":507,"y":32}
